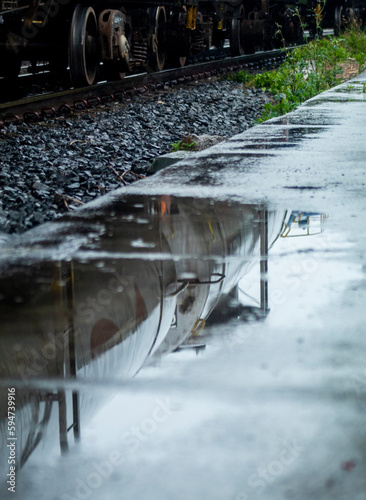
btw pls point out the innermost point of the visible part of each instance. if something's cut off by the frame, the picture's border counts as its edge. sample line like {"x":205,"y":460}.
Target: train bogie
{"x":107,"y":39}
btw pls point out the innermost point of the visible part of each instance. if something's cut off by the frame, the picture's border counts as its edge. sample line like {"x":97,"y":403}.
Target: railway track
{"x":59,"y":103}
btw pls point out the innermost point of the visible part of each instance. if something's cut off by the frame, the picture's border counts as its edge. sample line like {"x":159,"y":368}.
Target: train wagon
{"x":106,"y":39}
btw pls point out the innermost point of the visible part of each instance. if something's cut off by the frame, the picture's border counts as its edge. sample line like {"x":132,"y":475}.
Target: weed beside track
{"x":309,"y":70}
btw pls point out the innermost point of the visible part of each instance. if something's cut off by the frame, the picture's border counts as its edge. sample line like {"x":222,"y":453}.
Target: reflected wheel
{"x":158,"y":55}
{"x":237,"y":32}
{"x":83,"y":46}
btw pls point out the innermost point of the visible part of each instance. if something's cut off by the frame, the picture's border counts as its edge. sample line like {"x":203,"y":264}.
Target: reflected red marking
{"x":141,"y":311}
{"x":349,"y":465}
{"x":102,"y":332}
{"x":104,"y":329}
{"x":165,"y":203}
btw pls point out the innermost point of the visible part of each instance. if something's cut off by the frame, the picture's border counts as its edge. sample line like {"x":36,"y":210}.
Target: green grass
{"x":182,"y":146}
{"x":307,"y":71}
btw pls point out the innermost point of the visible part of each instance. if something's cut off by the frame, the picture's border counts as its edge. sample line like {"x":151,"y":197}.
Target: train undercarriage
{"x":105,"y":40}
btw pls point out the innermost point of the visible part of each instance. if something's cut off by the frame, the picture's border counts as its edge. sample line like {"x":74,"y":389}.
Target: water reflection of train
{"x":96,"y":294}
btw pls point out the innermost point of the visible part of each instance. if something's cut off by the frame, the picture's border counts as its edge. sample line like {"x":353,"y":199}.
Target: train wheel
{"x":179,"y":39}
{"x":177,"y":61}
{"x":83,"y":46}
{"x":112,"y":72}
{"x":182,"y":61}
{"x":338,"y":12}
{"x":237,"y":32}
{"x":158,"y":23}
{"x":218,"y":39}
{"x":11,"y":66}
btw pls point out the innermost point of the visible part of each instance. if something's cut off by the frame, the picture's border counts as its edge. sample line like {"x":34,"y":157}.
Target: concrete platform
{"x":311,"y":155}
{"x":270,"y":410}
{"x":300,"y":377}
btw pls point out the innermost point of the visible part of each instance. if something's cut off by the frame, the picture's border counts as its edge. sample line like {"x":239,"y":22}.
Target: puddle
{"x":302,"y":187}
{"x":285,"y":134}
{"x":126,"y":274}
{"x":145,"y":291}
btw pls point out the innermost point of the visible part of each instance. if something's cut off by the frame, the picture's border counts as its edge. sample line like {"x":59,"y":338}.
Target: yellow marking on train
{"x":191,"y":17}
{"x":211,"y":230}
{"x":198,"y":326}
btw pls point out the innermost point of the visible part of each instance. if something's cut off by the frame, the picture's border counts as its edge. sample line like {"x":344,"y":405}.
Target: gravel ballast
{"x":50,"y":168}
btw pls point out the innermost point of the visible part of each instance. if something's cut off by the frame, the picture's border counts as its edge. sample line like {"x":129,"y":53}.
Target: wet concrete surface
{"x":274,"y":406}
{"x":323,"y":141}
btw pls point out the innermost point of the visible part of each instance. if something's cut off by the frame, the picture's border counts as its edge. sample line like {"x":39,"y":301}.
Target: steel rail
{"x":53,"y":104}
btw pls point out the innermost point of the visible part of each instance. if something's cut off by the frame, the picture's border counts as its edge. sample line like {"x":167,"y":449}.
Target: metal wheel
{"x":177,"y":61}
{"x":112,"y":73}
{"x":218,"y":39}
{"x":338,"y":12}
{"x":179,"y":38}
{"x":342,"y":17}
{"x":83,"y":46}
{"x":237,"y":32}
{"x":182,"y":61}
{"x":11,"y":64}
{"x":158,"y":22}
